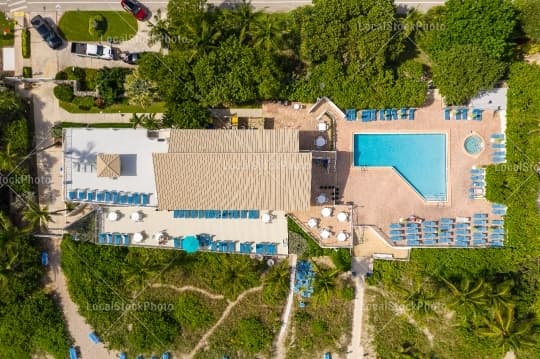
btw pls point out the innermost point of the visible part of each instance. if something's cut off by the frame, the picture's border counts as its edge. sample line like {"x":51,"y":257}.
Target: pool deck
{"x":384,"y":197}
{"x":379,"y":195}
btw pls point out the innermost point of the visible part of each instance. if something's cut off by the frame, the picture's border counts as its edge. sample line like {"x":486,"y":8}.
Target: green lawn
{"x":157,"y":107}
{"x":6,"y":31}
{"x":121,"y":26}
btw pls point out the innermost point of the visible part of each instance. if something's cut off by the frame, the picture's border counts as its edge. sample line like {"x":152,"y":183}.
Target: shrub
{"x":27,"y":72}
{"x":25,"y":41}
{"x":97,"y":25}
{"x":64,"y":93}
{"x":191,"y":313}
{"x":76,"y":73}
{"x":99,"y":102}
{"x":252,"y":335}
{"x":84,"y":102}
{"x":61,"y":75}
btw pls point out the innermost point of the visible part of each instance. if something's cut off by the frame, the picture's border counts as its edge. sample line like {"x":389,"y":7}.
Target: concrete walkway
{"x":280,"y":350}
{"x":361,"y":267}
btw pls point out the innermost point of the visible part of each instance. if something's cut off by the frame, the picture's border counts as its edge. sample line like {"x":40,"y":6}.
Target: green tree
{"x":325,"y":285}
{"x":9,"y":159}
{"x":529,"y":13}
{"x":38,"y":218}
{"x":188,"y":114}
{"x":267,"y":34}
{"x":245,"y":18}
{"x":467,"y":295}
{"x":276,"y":283}
{"x":140,"y":273}
{"x":141,"y":91}
{"x":462,"y":71}
{"x":509,"y":333}
{"x":159,"y":30}
{"x":202,"y":37}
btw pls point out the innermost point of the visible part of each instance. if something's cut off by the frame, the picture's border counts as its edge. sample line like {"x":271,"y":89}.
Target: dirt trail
{"x":187,"y":288}
{"x":280,"y":349}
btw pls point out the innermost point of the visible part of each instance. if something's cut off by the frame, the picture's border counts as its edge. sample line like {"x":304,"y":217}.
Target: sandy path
{"x":189,"y":288}
{"x":226,"y":312}
{"x":280,"y":350}
{"x":76,"y":324}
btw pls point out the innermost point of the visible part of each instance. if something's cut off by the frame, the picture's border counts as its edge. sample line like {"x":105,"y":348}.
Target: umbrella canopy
{"x":190,"y":244}
{"x":112,"y":216}
{"x":137,"y":237}
{"x":266,"y":218}
{"x":342,"y":236}
{"x":326,"y":212}
{"x":325,"y":233}
{"x":320,"y":141}
{"x":342,"y":216}
{"x":322,"y":126}
{"x":321,"y":198}
{"x":312,"y":223}
{"x":136,"y":216}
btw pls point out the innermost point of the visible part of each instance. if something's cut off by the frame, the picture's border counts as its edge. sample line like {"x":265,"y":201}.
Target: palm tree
{"x":500,"y":295}
{"x":508,"y":333}
{"x":469,"y":296}
{"x":37,"y":217}
{"x":325,"y":284}
{"x":8,"y":231}
{"x":136,"y":120}
{"x":419,"y":298}
{"x":139,"y":273}
{"x":277,"y":279}
{"x":159,"y":30}
{"x":245,"y":18}
{"x":203,"y":36}
{"x":267,"y":34}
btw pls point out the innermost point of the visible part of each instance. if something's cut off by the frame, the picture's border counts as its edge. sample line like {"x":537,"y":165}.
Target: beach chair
{"x":109,"y":238}
{"x":125,"y":237}
{"x":122,"y":356}
{"x":430,"y":236}
{"x":499,"y":154}
{"x":373,"y":115}
{"x":498,"y":159}
{"x":81,"y":195}
{"x":177,"y":243}
{"x":382,"y":116}
{"x":498,"y":222}
{"x":394,"y":114}
{"x":135,"y":198}
{"x":496,"y":244}
{"x":114,"y":197}
{"x":496,"y":237}
{"x":90,"y":196}
{"x":395,"y":225}
{"x":403,"y":113}
{"x":72,"y":195}
{"x":396,"y":238}
{"x":446,"y":221}
{"x":478,"y":242}
{"x":107,"y":196}
{"x":102,"y":238}
{"x":446,"y":227}
{"x":462,"y":225}
{"x":394,"y":232}
{"x":443,"y":240}
{"x":94,"y":338}
{"x":461,"y":244}
{"x":447,"y":114}
{"x":464,"y":114}
{"x":413,"y":242}
{"x":498,"y":145}
{"x":497,"y":136}
{"x":123,"y":198}
{"x":430,"y":230}
{"x":72,"y":353}
{"x":165,"y":355}
{"x":480,"y":215}
{"x":429,"y":242}
{"x":388,"y":114}
{"x":117,"y":238}
{"x":145,"y":199}
{"x":457,"y":114}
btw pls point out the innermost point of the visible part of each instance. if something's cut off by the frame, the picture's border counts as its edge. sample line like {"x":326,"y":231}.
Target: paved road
{"x":361,"y":267}
{"x":269,"y":5}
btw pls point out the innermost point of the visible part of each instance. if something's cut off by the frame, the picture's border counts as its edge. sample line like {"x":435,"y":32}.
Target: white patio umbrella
{"x":137,"y":237}
{"x":342,"y":236}
{"x":342,"y":217}
{"x":112,"y":216}
{"x":322,"y":126}
{"x":158,"y":236}
{"x":325,"y":233}
{"x":321,"y":198}
{"x":136,"y":216}
{"x":266,"y":218}
{"x":312,"y":223}
{"x":320,"y":141}
{"x":326,"y":212}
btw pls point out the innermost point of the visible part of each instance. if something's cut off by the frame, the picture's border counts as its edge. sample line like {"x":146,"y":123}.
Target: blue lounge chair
{"x":430,"y":236}
{"x":177,"y":243}
{"x":396,"y":232}
{"x":72,"y":195}
{"x":443,"y":240}
{"x":447,"y":220}
{"x":109,"y":238}
{"x":135,"y":199}
{"x":498,"y":145}
{"x":461,"y":244}
{"x":176,"y":213}
{"x":366,"y":116}
{"x":382,"y":115}
{"x":94,"y":338}
{"x":477,"y":178}
{"x":429,"y":242}
{"x":125,"y":237}
{"x":123,"y":198}
{"x":396,"y":238}
{"x":81,"y":195}
{"x":123,"y":355}
{"x":496,"y":244}
{"x":411,"y":113}
{"x":478,"y":171}
{"x":102,"y":238}
{"x":478,"y":242}
{"x":117,"y":238}
{"x":114,"y":197}
{"x":394,"y":114}
{"x":327,"y":355}
{"x":145,"y":199}
{"x":498,"y":206}
{"x":107,"y":196}
{"x":90,"y":196}
{"x":72,"y":353}
{"x":498,"y":159}
{"x":429,"y":224}
{"x":373,"y":115}
{"x":497,"y":230}
{"x":413,"y":242}
{"x":497,"y":136}
{"x":395,"y":225}
{"x":462,"y":225}
{"x":165,"y":355}
{"x":403,"y":113}
{"x":464,"y":114}
{"x":447,"y":114}
{"x":499,"y":154}
{"x":498,"y":222}
{"x":430,"y":230}
{"x":457,"y":114}
{"x":446,"y":227}
{"x":477,"y":235}
{"x":350,"y":114}
{"x":480,"y":215}
{"x":496,"y":237}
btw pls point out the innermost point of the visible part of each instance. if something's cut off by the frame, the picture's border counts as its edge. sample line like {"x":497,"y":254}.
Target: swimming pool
{"x":419,"y":158}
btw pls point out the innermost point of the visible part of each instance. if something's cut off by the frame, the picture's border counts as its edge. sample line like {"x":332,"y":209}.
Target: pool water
{"x":474,"y":144}
{"x":419,"y":158}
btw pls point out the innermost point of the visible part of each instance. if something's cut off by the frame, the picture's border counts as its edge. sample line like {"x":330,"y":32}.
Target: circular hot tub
{"x":474,"y":144}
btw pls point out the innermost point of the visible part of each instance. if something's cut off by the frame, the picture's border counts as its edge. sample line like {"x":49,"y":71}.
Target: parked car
{"x":135,"y":8}
{"x":92,"y":50}
{"x":46,"y":31}
{"x":133,"y":58}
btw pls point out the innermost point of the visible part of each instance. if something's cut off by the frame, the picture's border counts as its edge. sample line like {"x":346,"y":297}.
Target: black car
{"x":133,"y":58}
{"x":46,"y":31}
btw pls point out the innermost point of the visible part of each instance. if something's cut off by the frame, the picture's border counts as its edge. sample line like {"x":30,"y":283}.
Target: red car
{"x":135,"y":8}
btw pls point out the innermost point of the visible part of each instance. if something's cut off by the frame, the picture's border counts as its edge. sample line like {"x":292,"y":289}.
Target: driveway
{"x":46,"y":62}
